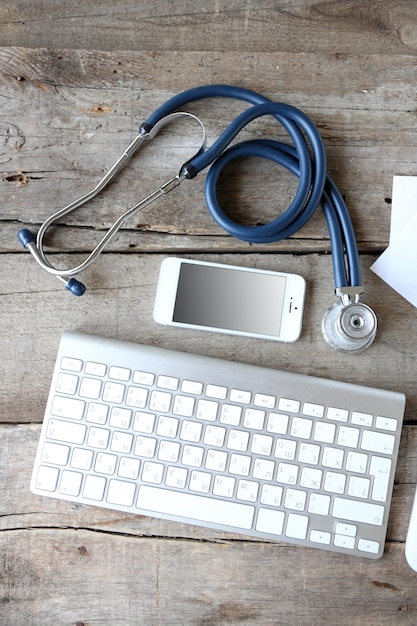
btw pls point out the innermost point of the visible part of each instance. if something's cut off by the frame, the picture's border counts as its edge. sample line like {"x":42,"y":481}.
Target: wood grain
{"x":76,"y":81}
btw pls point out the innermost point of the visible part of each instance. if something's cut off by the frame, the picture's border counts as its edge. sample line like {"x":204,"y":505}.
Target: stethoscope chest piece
{"x":349,"y":327}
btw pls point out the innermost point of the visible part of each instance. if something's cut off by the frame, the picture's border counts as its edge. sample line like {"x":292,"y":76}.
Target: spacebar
{"x":192,"y":507}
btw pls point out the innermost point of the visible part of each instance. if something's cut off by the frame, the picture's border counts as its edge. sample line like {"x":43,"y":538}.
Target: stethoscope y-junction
{"x":348,"y":325}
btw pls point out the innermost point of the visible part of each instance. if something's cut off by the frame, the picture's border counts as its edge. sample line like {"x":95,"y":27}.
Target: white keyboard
{"x":234,"y":447}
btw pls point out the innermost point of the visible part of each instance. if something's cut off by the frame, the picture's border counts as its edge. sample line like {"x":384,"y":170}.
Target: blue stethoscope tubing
{"x":315,"y":187}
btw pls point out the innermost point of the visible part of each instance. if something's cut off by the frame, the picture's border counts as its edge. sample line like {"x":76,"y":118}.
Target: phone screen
{"x":232,"y":299}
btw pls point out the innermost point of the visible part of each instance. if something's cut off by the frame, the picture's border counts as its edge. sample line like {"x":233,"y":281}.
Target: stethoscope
{"x":348,"y":325}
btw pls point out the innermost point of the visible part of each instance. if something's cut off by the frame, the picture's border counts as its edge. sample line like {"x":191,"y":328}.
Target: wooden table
{"x":76,"y":80}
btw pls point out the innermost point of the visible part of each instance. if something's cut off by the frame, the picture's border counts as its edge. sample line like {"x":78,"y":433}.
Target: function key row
{"x":68,"y":383}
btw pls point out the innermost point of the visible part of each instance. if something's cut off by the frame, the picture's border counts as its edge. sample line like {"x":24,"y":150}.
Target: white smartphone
{"x":229,"y":299}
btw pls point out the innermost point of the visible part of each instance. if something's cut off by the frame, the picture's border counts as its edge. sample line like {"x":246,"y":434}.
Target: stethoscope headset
{"x":348,"y":325}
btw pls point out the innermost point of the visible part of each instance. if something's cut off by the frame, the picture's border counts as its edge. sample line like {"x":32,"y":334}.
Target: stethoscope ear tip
{"x":26,"y":237}
{"x":75,"y":287}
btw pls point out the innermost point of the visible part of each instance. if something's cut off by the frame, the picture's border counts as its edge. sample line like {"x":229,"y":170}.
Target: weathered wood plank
{"x":119,"y":303}
{"x":75,"y":112}
{"x":301,"y":25}
{"x":83,"y":577}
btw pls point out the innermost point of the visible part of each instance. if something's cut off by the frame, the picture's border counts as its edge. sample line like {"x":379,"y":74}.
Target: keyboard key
{"x":191,"y":431}
{"x":95,"y":369}
{"x":358,"y":487}
{"x":362,"y":419}
{"x":143,"y":422}
{"x":285,"y":449}
{"x":313,"y":410}
{"x":346,"y":529}
{"x":160,"y":401}
{"x":191,"y":386}
{"x":356,"y":462}
{"x":105,"y":463}
{"x":65,"y":431}
{"x":183,"y":406}
{"x":324,"y":432}
{"x":254,"y":419}
{"x":207,"y":410}
{"x":121,"y":442}
{"x":128,"y":468}
{"x":338,"y":415}
{"x":121,"y":492}
{"x":271,"y":495}
{"x":261,"y":444}
{"x":145,"y":447}
{"x":342,"y":541}
{"x":224,"y":486}
{"x":192,"y":456}
{"x":143,"y":378}
{"x":295,"y":499}
{"x":193,"y":506}
{"x":47,"y":478}
{"x":136,"y":397}
{"x":216,"y":391}
{"x":70,"y":484}
{"x":55,"y":453}
{"x":200,"y":481}
{"x":114,"y":392}
{"x":167,"y":427}
{"x":152,"y":472}
{"x":120,"y":418}
{"x":386,"y":423}
{"x":265,"y":401}
{"x":380,"y":469}
{"x":311,"y":478}
{"x":237,"y":440}
{"x":296,"y":526}
{"x":97,"y":413}
{"x":239,"y":464}
{"x":230,"y":414}
{"x":358,"y":511}
{"x":287,"y":473}
{"x":94,"y":487}
{"x":292,"y":406}
{"x":66,"y":383}
{"x":167,"y":382}
{"x":176,"y":477}
{"x":90,"y":388}
{"x":320,"y":536}
{"x":277,"y":423}
{"x":71,"y":365}
{"x":301,"y":428}
{"x":365,"y":545}
{"x":216,"y":460}
{"x":81,"y":459}
{"x":348,"y":437}
{"x":98,"y":437}
{"x":119,"y":373}
{"x":214,"y":435}
{"x":68,"y":407}
{"x":237,"y":395}
{"x":334,"y":482}
{"x":319,"y":504}
{"x":271,"y":522}
{"x":263,"y":469}
{"x":377,"y":442}
{"x":247,"y":490}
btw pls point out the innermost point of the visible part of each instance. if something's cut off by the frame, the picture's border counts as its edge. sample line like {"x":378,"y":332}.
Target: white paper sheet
{"x":397,"y":265}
